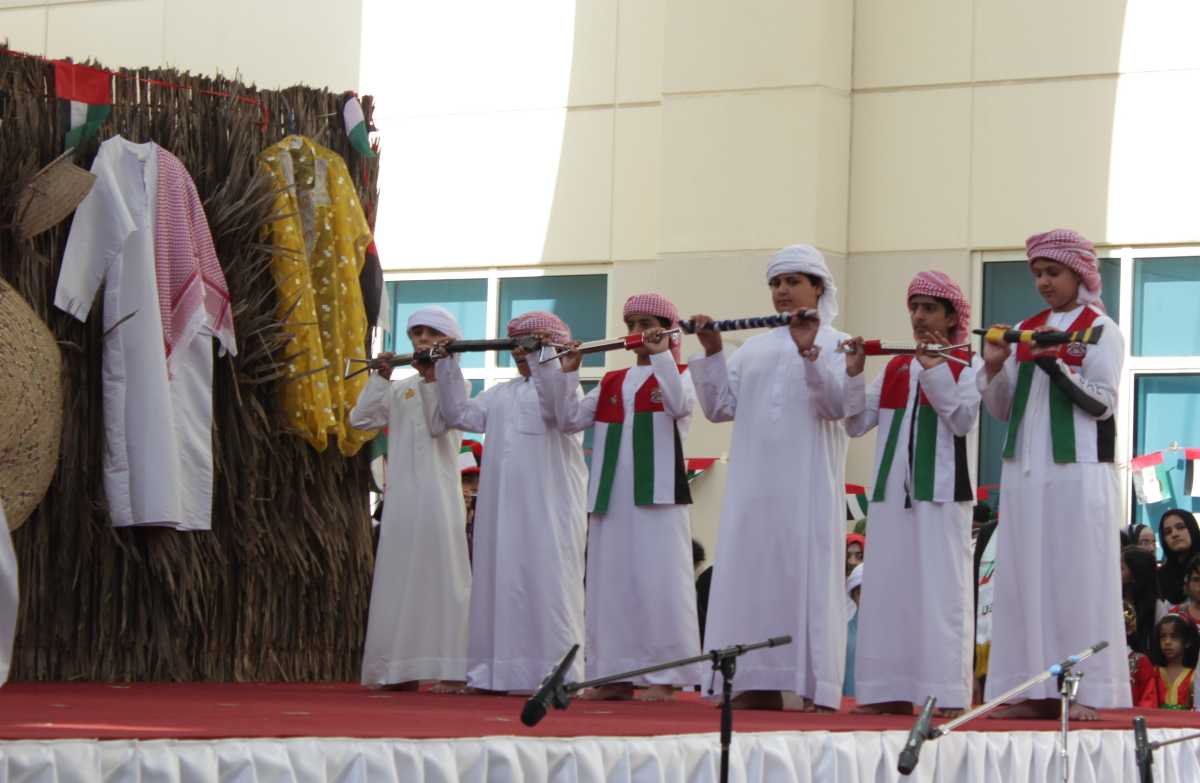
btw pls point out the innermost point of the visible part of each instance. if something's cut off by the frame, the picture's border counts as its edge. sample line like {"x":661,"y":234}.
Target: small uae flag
{"x":356,"y":126}
{"x":856,"y":502}
{"x":86,"y":97}
{"x":1149,"y":478}
{"x":1191,"y":473}
{"x":697,"y":465}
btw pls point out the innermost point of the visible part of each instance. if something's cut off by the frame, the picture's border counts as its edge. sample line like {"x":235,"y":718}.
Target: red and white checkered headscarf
{"x":658,"y":306}
{"x":940,"y":285}
{"x":540,"y":321}
{"x":1074,"y":251}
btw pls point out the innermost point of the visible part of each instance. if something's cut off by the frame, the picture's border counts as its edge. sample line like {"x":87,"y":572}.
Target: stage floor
{"x":249,"y":710}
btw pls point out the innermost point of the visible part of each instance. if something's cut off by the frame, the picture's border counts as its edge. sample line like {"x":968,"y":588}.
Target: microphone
{"x":1143,"y":751}
{"x":535,"y":709}
{"x":916,"y":737}
{"x":1071,"y":660}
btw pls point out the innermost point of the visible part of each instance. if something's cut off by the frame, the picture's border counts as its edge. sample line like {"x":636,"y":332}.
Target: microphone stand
{"x":1144,"y":749}
{"x":1068,"y":684}
{"x":723,"y":660}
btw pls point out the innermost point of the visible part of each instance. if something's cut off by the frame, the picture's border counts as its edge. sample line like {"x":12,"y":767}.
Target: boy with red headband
{"x":915,"y":635}
{"x":527,"y":586}
{"x":1059,"y":490}
{"x":641,"y":600}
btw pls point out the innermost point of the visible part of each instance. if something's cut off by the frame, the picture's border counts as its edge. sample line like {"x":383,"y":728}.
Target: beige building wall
{"x":976,"y":124}
{"x":674,"y":143}
{"x":270,"y":44}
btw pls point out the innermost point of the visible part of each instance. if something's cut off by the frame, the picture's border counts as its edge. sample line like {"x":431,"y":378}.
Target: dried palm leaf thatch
{"x":278,"y":589}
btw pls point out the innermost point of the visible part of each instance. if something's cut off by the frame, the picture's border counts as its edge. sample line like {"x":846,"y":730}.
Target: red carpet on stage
{"x":218,"y":710}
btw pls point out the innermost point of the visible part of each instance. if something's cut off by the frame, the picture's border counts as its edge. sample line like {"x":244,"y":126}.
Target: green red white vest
{"x":1074,"y":435}
{"x":937,"y":458}
{"x":659,"y":473}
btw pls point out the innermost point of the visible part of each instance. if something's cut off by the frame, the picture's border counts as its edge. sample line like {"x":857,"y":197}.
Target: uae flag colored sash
{"x":929,"y":447}
{"x":1191,"y":472}
{"x":659,"y":475}
{"x":1062,"y":411}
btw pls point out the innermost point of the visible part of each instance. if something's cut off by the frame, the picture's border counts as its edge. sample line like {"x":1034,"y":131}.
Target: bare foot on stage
{"x":1030,"y":709}
{"x":1083,"y":712}
{"x":617,"y":691}
{"x":758,"y":700}
{"x":411,"y":685}
{"x":470,"y":691}
{"x":654,"y":693}
{"x":885,"y":708}
{"x":948,"y":712}
{"x":448,"y":686}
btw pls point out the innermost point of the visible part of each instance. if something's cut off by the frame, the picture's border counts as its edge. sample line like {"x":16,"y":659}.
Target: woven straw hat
{"x":51,"y":195}
{"x":31,"y":398}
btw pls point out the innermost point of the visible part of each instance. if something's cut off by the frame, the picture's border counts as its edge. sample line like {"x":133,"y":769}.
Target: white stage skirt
{"x":774,"y":757}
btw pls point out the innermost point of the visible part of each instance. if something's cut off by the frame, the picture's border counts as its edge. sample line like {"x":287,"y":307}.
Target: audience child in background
{"x":1142,"y":674}
{"x":1181,"y":542}
{"x":1139,"y":586}
{"x":856,"y":548}
{"x":1189,"y":609}
{"x":853,"y":596}
{"x":1176,"y":646}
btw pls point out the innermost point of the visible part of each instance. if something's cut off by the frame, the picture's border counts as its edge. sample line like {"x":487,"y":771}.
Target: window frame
{"x":492,"y":373}
{"x":1133,"y":366}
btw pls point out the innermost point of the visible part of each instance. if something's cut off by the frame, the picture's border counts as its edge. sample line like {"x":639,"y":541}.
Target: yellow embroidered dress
{"x":320,"y":236}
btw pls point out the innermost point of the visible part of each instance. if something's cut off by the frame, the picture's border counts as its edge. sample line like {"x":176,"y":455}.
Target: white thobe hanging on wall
{"x":158,"y":465}
{"x":417,"y":624}
{"x":916,"y":609}
{"x":1058,"y":573}
{"x":780,"y":561}
{"x":530,"y":531}
{"x":641,"y":593}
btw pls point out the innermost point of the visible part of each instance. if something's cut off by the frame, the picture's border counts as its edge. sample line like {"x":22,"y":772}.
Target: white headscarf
{"x":436,"y":318}
{"x":806,"y":259}
{"x":853,"y":581}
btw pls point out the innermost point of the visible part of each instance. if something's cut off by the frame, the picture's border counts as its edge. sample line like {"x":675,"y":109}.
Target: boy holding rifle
{"x":780,"y":568}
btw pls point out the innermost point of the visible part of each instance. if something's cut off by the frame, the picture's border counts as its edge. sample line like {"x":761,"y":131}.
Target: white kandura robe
{"x":9,"y":598}
{"x":158,"y":463}
{"x":530,"y":531}
{"x":780,"y":561}
{"x":1058,"y":572}
{"x":916,"y":610}
{"x":417,"y":624}
{"x":641,"y":593}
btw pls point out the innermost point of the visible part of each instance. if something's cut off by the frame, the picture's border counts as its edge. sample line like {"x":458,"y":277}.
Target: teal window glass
{"x":466,"y":299}
{"x":1166,"y":411}
{"x":579,"y":300}
{"x":1166,"y":320}
{"x":1009,"y":296}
